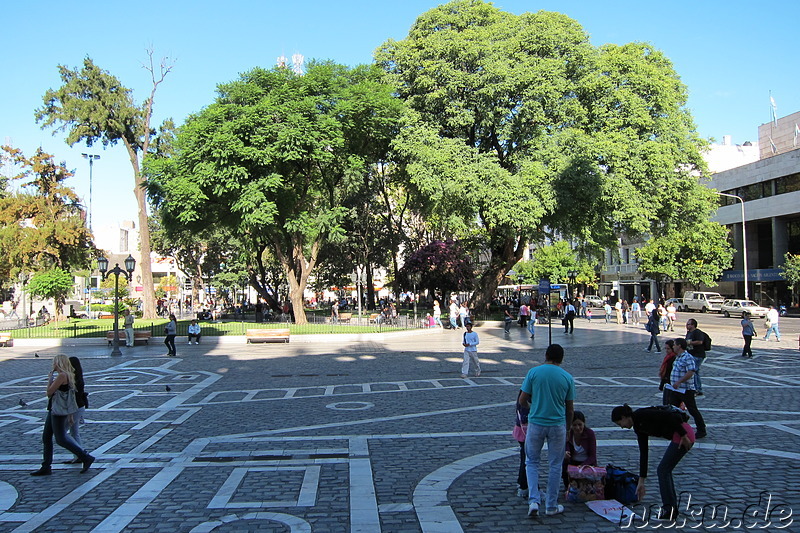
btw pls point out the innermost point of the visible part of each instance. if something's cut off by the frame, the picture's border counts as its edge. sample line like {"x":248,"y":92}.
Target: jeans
{"x":698,"y":385}
{"x":746,"y":351}
{"x":653,"y":340}
{"x":773,"y":327}
{"x":507,"y":324}
{"x":453,"y":323}
{"x":128,"y":337}
{"x":556,"y":437}
{"x":531,"y":329}
{"x":666,"y":485}
{"x":56,"y":426}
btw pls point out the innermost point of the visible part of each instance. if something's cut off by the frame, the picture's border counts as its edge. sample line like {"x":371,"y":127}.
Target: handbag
{"x":586,"y":483}
{"x":63,"y":403}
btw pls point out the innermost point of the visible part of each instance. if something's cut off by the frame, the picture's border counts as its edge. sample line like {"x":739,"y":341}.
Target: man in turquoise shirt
{"x":550,"y":390}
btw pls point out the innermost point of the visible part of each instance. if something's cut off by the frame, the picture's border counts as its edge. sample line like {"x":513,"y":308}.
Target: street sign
{"x":544,"y":285}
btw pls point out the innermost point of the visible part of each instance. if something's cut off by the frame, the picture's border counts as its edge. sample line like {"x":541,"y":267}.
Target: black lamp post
{"x":130,"y":265}
{"x":573,"y":274}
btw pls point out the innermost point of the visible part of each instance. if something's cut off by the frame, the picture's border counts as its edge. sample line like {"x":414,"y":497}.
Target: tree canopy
{"x":555,"y":262}
{"x":520,"y":129}
{"x":275,"y":158}
{"x":42,"y":226}
{"x":52,"y":283}
{"x":93,"y":106}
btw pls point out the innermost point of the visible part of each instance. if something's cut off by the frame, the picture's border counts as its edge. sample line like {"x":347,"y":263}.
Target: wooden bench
{"x":373,"y":318}
{"x":345,"y":317}
{"x":105,"y":314}
{"x":6,"y":340}
{"x":267,"y":335}
{"x":138,"y":336}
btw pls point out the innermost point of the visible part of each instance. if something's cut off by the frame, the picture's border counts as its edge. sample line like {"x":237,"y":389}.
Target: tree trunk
{"x":148,"y":293}
{"x":370,"y":289}
{"x":505,"y":254}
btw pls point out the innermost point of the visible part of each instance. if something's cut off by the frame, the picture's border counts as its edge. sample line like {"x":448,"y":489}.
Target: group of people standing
{"x":545,"y":413}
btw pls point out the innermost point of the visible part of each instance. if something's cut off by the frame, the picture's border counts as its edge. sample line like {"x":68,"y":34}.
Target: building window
{"x":790,"y":183}
{"x":793,"y":236}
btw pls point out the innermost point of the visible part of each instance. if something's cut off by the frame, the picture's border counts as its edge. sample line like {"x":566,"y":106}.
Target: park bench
{"x":345,"y":317}
{"x":6,"y":340}
{"x":373,"y":318}
{"x":138,"y":336}
{"x":103,"y":314}
{"x":267,"y":335}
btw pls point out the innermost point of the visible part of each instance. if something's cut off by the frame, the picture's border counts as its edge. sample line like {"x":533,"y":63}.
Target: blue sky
{"x":730,"y":55}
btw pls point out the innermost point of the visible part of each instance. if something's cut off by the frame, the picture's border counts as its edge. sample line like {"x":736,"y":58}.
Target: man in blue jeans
{"x":550,"y":390}
{"x":695,"y":341}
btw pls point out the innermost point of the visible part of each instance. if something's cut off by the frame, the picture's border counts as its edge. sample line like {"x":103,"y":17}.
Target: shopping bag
{"x":586,"y":483}
{"x":613,"y":511}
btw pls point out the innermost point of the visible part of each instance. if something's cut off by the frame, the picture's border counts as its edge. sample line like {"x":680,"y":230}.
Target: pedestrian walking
{"x":666,"y":424}
{"x":60,"y":387}
{"x":532,"y":323}
{"x":748,"y":332}
{"x":453,"y":314}
{"x":681,"y":386}
{"x":636,"y":311}
{"x":470,"y":344}
{"x":696,"y":342}
{"x":520,"y":429}
{"x":652,"y":328}
{"x":170,"y":330}
{"x":550,"y":391}
{"x":607,"y":309}
{"x":569,"y":318}
{"x":772,"y":323}
{"x":508,"y":318}
{"x":437,"y":314}
{"x":665,"y":371}
{"x":82,"y":400}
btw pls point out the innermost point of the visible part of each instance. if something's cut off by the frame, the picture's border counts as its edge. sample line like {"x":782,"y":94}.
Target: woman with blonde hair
{"x":60,"y":381}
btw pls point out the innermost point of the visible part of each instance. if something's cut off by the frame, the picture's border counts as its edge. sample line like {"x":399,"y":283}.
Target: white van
{"x":703,"y":301}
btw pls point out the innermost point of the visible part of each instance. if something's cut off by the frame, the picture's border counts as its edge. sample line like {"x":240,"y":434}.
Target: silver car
{"x":740,"y":307}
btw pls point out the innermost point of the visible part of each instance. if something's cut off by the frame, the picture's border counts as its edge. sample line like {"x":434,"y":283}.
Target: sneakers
{"x":190,"y":342}
{"x":699,"y":395}
{"x":522,"y":493}
{"x":552,"y":512}
{"x":463,"y":376}
{"x":533,"y":509}
{"x":196,"y":342}
{"x":87,"y":463}
{"x":42,"y":472}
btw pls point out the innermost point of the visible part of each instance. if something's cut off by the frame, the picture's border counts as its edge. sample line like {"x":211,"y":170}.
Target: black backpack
{"x":706,"y":342}
{"x":672,"y":409}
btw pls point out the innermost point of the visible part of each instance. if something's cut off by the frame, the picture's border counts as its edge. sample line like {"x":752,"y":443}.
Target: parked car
{"x":679,"y":305}
{"x":740,"y":307}
{"x":702,"y":301}
{"x":593,"y":300}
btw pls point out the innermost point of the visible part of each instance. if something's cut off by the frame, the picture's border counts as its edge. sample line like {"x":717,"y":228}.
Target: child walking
{"x":470,"y":343}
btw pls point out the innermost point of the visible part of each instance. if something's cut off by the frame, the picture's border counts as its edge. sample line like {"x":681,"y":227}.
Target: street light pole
{"x":91,"y":158}
{"x":23,"y":278}
{"x":744,"y":241}
{"x":130,"y":265}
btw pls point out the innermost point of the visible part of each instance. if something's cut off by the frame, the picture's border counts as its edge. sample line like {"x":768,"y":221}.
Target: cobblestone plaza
{"x":380,"y":434}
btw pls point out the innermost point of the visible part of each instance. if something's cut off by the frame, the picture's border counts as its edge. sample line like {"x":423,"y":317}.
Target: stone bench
{"x":267,"y":335}
{"x":138,"y":336}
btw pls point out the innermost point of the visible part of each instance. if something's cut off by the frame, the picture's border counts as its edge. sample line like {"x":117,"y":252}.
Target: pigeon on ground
{"x":22,"y":403}
{"x":168,"y":388}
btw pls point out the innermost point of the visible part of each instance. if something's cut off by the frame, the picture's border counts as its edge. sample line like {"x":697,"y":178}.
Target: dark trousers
{"x":192,"y":336}
{"x":666,"y":485}
{"x":56,"y":426}
{"x":675,"y":398}
{"x":654,"y":340}
{"x":568,"y":324}
{"x":522,"y":477}
{"x":747,"y":352}
{"x":170,"y":342}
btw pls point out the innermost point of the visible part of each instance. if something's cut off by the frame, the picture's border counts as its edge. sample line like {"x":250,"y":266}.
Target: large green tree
{"x":42,"y":226}
{"x":696,"y":253}
{"x":53,"y":283}
{"x":555,"y":262}
{"x":93,"y":106}
{"x":521,"y":129}
{"x":275,"y":158}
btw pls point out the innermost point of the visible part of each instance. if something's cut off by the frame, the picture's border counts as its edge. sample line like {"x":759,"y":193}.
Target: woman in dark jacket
{"x":667,"y":423}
